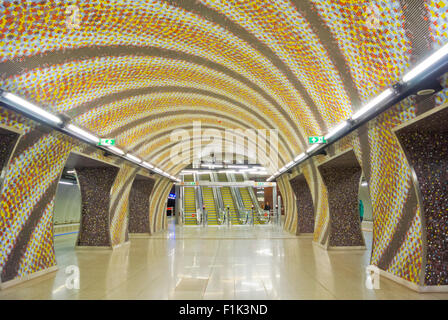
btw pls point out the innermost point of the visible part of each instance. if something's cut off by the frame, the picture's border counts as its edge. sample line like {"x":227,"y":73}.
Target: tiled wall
{"x":426,"y":145}
{"x":305,"y":206}
{"x":95,"y":184}
{"x":7,"y":143}
{"x":139,"y":206}
{"x":342,"y":185}
{"x":296,"y":66}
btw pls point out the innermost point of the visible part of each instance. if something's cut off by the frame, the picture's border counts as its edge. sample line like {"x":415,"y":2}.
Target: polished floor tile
{"x":240,"y":262}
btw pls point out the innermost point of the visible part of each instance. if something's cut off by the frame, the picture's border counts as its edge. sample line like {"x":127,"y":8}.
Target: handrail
{"x":221,"y":216}
{"x":253,"y":197}
{"x":236,"y":196}
{"x":247,"y":214}
{"x":182,"y":215}
{"x":198,"y":217}
{"x":265,"y":217}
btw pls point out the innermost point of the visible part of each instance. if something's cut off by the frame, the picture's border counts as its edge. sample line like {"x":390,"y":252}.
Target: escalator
{"x":189,"y":202}
{"x":209,"y":201}
{"x":228,"y":200}
{"x":250,"y":201}
{"x":247,"y":201}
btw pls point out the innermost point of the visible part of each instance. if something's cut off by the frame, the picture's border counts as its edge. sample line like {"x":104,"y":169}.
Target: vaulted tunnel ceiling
{"x":136,"y":70}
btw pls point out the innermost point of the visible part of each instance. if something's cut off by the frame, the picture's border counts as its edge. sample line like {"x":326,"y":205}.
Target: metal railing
{"x":199,"y":217}
{"x":245,"y":218}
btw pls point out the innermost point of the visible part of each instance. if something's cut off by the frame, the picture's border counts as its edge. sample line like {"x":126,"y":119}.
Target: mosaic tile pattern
{"x":119,"y":204}
{"x":342,"y":184}
{"x":427,"y":151}
{"x":139,"y":206}
{"x":7,"y":143}
{"x":300,"y":66}
{"x":95,"y":185}
{"x":305,"y":206}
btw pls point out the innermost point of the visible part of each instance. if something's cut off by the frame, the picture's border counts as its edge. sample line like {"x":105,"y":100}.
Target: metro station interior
{"x":220,"y":150}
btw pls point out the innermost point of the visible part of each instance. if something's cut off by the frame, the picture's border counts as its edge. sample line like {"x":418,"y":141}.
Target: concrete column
{"x":95,"y":184}
{"x":139,"y":198}
{"x":341,"y":176}
{"x":305,"y":206}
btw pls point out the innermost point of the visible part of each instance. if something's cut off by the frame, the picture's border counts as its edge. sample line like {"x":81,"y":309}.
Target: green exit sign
{"x":318,"y":139}
{"x":106,"y":142}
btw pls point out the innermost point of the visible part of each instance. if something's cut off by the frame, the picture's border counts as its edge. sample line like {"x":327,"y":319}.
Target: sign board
{"x":106,"y":142}
{"x":240,"y":184}
{"x":318,"y":139}
{"x":264,"y":184}
{"x":188,"y":183}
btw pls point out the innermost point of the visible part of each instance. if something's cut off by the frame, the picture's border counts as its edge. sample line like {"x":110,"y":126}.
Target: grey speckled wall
{"x":139,"y":206}
{"x":305,"y":206}
{"x":7,"y":142}
{"x":95,"y":184}
{"x":426,"y":145}
{"x":341,"y":177}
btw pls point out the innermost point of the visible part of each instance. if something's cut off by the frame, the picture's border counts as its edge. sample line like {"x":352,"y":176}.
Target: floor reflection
{"x":240,"y":262}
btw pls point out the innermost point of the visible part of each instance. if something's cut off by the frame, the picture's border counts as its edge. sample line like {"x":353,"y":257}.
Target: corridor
{"x":243,"y":262}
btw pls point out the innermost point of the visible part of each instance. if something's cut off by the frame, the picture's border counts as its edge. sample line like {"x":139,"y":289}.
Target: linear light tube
{"x":83,"y":133}
{"x":133,"y":158}
{"x":289,"y":164}
{"x":237,"y":167}
{"x":147,"y":165}
{"x":30,"y":108}
{"x":115,"y":149}
{"x":373,"y":103}
{"x":312,"y":148}
{"x":427,"y":63}
{"x":300,"y":157}
{"x":336,"y":129}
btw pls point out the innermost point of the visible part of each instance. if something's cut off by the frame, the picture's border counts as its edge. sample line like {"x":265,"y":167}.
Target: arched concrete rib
{"x":418,"y":30}
{"x":175,"y":89}
{"x":43,"y":60}
{"x":149,"y":118}
{"x":164,"y":134}
{"x":189,"y":149}
{"x":240,"y":32}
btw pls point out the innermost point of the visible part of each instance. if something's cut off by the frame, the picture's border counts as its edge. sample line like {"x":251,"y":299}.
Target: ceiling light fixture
{"x":28,"y":108}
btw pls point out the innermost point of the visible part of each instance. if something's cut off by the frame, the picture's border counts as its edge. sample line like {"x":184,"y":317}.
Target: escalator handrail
{"x":222,"y":220}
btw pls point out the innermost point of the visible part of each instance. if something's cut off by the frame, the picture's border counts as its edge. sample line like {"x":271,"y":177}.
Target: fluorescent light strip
{"x":211,"y":165}
{"x":29,"y":107}
{"x":33,"y":110}
{"x":133,"y":158}
{"x":312,"y":148}
{"x":116,"y":150}
{"x":237,"y":167}
{"x":428,"y":62}
{"x":289,"y":164}
{"x":81,"y":132}
{"x":65,"y":182}
{"x":336,"y":129}
{"x":300,"y":157}
{"x":373,"y":103}
{"x":147,"y":165}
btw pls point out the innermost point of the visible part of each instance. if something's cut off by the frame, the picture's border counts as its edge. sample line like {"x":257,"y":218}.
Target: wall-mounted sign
{"x":106,"y":142}
{"x":264,"y":184}
{"x":318,"y":139}
{"x":172,"y":196}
